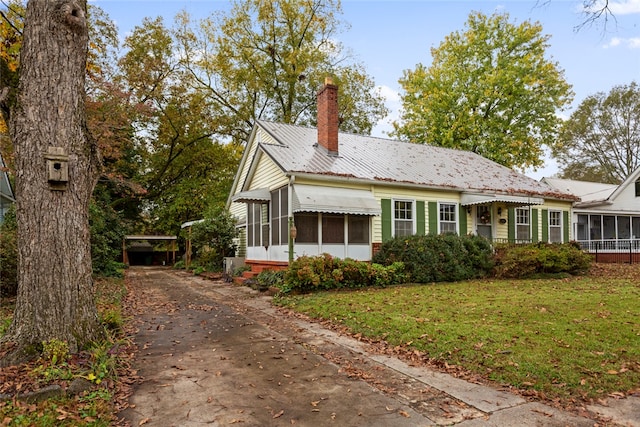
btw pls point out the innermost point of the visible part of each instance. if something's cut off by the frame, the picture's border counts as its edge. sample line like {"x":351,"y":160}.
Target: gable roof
{"x":593,"y":193}
{"x":590,"y":193}
{"x":378,"y":160}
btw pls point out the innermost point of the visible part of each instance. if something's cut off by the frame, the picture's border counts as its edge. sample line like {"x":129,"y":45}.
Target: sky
{"x":391,"y":36}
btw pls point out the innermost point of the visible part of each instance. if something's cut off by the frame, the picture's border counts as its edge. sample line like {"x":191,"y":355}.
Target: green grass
{"x":564,"y":338}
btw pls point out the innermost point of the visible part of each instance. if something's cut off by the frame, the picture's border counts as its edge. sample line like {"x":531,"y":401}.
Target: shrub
{"x":8,"y":254}
{"x":438,"y":258}
{"x":107,"y":231}
{"x":307,"y":274}
{"x":540,"y":259}
{"x":213,"y":238}
{"x":270,"y":278}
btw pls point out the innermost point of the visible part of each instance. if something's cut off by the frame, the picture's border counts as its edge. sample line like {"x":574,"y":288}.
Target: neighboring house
{"x":346,"y":194}
{"x":6,"y":192}
{"x":607,"y":217}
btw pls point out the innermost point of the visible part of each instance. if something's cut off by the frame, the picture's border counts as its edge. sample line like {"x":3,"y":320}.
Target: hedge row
{"x":439,"y":258}
{"x":540,"y":259}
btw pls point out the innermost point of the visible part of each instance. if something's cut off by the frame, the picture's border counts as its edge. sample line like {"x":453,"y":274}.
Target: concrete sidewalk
{"x":217,"y":354}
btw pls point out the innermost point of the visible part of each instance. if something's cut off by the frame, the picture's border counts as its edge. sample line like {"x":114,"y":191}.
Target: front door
{"x":483,"y":221}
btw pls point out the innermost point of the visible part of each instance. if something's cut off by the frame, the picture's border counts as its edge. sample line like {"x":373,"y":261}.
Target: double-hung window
{"x":523,"y":224}
{"x":555,"y":226}
{"x":403,"y":218}
{"x":447,"y":219}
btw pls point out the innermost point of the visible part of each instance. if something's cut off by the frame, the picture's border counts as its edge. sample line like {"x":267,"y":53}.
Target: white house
{"x":345,"y":194}
{"x":607,"y":217}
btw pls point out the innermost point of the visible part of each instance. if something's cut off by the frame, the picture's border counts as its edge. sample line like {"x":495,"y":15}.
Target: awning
{"x":468,"y":199}
{"x":257,"y":195}
{"x":309,"y":198}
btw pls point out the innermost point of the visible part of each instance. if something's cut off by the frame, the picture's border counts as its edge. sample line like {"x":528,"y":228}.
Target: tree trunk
{"x":56,"y":297}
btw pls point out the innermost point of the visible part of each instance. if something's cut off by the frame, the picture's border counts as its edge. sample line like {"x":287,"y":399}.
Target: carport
{"x":146,"y":245}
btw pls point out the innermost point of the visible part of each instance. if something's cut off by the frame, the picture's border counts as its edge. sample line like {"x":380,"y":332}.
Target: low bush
{"x":8,"y":254}
{"x":323,"y":272}
{"x":439,"y":258}
{"x":270,"y":278}
{"x":540,"y":259}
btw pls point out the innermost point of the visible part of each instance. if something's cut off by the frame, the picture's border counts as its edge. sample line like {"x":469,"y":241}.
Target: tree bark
{"x":56,"y":297}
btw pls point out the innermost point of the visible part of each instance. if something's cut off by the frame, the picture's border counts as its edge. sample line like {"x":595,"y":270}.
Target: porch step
{"x":258,"y":267}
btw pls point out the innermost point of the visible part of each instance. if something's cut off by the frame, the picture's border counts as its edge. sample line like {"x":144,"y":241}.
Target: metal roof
{"x":467,"y":199}
{"x":383,"y":160}
{"x":257,"y":195}
{"x":310,"y":198}
{"x":587,"y":191}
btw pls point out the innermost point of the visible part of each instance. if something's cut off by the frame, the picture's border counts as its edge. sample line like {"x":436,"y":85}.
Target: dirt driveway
{"x":217,"y":354}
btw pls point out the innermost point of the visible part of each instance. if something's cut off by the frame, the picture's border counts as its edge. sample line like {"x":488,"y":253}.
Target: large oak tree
{"x":490,"y":90}
{"x":48,"y":119}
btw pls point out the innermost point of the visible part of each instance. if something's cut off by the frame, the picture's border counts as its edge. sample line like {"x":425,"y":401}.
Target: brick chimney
{"x":328,"y":117}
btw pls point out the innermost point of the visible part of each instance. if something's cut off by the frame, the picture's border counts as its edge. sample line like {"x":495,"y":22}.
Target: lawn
{"x":557,"y":338}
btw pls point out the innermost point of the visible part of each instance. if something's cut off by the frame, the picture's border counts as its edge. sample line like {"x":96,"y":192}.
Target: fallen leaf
{"x":279,"y":414}
{"x":144,"y":421}
{"x":404,"y":414}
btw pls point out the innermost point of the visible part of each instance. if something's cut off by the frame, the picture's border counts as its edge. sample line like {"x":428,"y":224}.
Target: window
{"x":257,"y":216}
{"x":403,"y":218}
{"x":608,"y":227}
{"x":332,"y":228}
{"x":635,"y":227}
{"x":358,"y":229}
{"x":638,"y":188}
{"x":555,"y":226}
{"x":595,"y":228}
{"x":624,"y":227}
{"x":523,"y":224}
{"x":447,"y":218}
{"x":583,"y":227}
{"x":307,"y":226}
{"x":279,"y":218}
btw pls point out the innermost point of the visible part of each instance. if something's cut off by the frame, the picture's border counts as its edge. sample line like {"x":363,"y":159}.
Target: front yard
{"x":576,"y":338}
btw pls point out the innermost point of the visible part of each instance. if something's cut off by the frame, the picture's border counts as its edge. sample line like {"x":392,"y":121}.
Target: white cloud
{"x":631,"y":43}
{"x":624,"y":7}
{"x":616,"y":7}
{"x":393,"y":103}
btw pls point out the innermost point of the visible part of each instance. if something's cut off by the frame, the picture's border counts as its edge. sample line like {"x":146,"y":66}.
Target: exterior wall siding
{"x":268,"y":175}
{"x":426,"y":217}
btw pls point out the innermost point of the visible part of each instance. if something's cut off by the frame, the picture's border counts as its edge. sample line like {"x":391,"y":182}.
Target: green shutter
{"x":511,"y":230}
{"x":565,"y":226}
{"x":420,"y":219}
{"x":462,"y":214}
{"x":545,"y":225}
{"x":433,"y":218}
{"x":534,"y":225}
{"x":386,"y":219}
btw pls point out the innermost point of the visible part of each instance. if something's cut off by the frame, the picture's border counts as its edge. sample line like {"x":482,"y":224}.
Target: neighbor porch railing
{"x":613,"y":250}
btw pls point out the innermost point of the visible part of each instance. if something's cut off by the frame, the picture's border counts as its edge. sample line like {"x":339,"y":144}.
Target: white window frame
{"x":518,"y":224}
{"x":456,"y":216}
{"x":557,"y":226}
{"x":412,"y":219}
